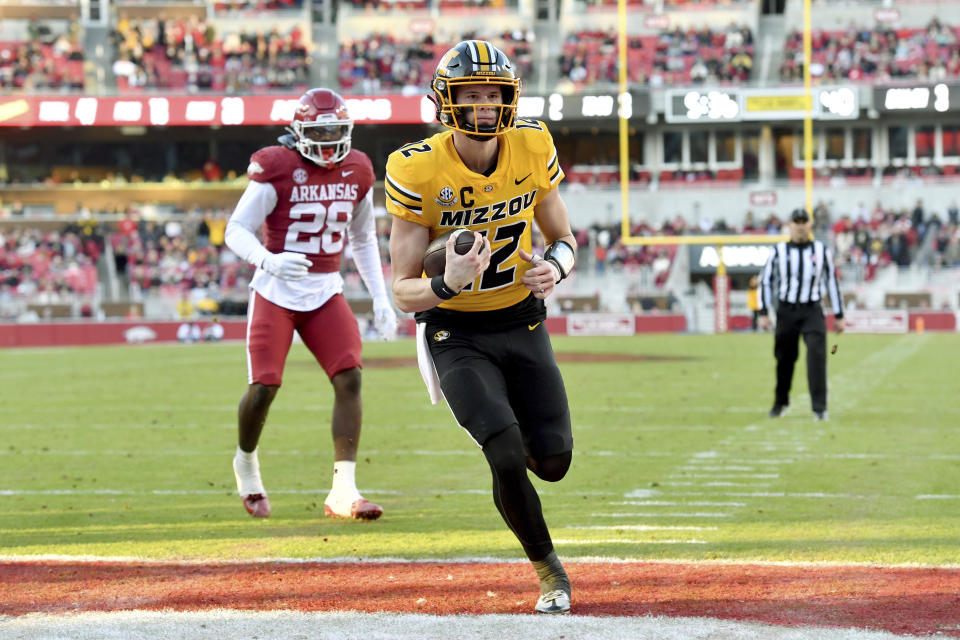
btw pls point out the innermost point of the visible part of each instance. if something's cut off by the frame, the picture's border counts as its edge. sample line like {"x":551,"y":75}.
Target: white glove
{"x":384,"y":318}
{"x":286,"y":266}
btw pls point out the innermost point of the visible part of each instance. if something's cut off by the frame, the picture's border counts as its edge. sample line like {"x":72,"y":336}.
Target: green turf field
{"x":126,"y":451}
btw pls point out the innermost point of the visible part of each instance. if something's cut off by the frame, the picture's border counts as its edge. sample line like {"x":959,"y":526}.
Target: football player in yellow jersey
{"x":481,"y":341}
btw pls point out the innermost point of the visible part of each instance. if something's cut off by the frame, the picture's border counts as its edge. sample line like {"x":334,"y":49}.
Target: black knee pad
{"x":552,"y":468}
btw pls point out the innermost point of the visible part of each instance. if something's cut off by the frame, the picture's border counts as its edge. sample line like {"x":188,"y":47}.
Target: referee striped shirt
{"x":799,"y":274}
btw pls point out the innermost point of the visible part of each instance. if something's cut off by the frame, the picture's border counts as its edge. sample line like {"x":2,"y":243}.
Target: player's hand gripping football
{"x":461,"y":270}
{"x":384,"y":318}
{"x":287,"y":265}
{"x":541,"y":277}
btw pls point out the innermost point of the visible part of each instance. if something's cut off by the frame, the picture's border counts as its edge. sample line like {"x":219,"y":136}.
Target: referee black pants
{"x":793,"y":321}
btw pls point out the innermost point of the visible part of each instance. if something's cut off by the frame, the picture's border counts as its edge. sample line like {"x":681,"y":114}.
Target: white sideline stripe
{"x":220,"y":492}
{"x":700,"y":467}
{"x":691,"y":465}
{"x":299,"y":452}
{"x":230,"y":491}
{"x":661,"y":515}
{"x":647,"y":408}
{"x":269,"y":625}
{"x":664,"y":503}
{"x":742,"y":476}
{"x":736,"y":484}
{"x":739,"y":562}
{"x":643,"y":527}
{"x":631,"y":541}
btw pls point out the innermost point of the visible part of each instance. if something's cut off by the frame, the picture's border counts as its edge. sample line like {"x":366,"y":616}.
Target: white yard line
{"x":269,"y":625}
{"x":714,"y":469}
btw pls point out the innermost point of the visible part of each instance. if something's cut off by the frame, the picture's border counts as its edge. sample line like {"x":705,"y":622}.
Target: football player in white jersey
{"x":310,"y":194}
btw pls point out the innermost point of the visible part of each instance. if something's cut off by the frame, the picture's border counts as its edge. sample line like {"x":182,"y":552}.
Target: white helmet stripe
{"x":492,"y":55}
{"x":475,"y":54}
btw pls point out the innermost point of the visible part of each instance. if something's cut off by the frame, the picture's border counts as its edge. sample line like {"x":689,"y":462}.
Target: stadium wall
{"x":61,"y":334}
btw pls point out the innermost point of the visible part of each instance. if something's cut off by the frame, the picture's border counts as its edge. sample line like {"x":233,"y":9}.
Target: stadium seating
{"x":863,"y":53}
{"x":674,"y":57}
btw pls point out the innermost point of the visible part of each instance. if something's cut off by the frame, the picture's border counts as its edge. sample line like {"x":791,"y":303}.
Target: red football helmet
{"x":322,"y":127}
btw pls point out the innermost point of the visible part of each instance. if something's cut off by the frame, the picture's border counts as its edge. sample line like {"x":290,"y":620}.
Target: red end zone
{"x":916,"y":601}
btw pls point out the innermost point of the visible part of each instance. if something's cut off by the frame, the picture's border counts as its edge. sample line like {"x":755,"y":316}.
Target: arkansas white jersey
{"x":307,"y":209}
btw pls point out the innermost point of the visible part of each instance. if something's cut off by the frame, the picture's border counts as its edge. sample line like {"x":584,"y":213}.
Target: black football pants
{"x":793,"y":321}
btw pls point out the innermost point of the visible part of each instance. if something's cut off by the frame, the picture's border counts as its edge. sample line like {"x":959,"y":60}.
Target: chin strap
{"x":561,"y":255}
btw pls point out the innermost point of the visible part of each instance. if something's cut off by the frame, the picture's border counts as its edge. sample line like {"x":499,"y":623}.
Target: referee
{"x":793,"y":280}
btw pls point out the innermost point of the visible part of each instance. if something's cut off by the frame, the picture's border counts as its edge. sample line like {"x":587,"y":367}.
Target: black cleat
{"x":777,"y":410}
{"x":820,"y":416}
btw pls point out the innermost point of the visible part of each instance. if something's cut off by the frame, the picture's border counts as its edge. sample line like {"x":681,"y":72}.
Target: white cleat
{"x":556,"y":601}
{"x":358,"y":509}
{"x":250,"y":488}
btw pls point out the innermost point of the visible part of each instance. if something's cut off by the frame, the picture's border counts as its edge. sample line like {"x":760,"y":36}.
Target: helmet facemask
{"x":454,"y":115}
{"x":324,"y":141}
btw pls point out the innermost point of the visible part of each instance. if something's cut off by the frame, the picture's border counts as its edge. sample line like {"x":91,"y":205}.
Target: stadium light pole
{"x":808,"y":115}
{"x":623,"y":118}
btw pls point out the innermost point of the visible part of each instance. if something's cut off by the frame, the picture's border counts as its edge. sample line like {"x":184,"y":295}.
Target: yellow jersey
{"x":428,"y":184}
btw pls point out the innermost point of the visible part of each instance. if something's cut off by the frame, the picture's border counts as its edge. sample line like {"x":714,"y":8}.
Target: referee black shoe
{"x":820,"y":416}
{"x":777,"y":410}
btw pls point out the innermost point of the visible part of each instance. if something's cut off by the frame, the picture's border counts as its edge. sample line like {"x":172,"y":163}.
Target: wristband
{"x":561,"y":255}
{"x":440,"y":288}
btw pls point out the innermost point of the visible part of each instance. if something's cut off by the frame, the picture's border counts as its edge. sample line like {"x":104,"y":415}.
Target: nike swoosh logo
{"x":533,"y":326}
{"x":515,"y":181}
{"x":346,"y":173}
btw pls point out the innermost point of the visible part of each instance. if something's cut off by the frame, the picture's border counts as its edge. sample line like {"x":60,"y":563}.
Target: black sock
{"x":551,"y":574}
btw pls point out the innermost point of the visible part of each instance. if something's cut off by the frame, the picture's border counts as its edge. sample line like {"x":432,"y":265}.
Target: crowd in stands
{"x":672,"y":4}
{"x":677,"y":56}
{"x":179,"y":259}
{"x":863,"y":240}
{"x":445,"y":5}
{"x":382,"y":62}
{"x":183,"y":261}
{"x":190,"y":54}
{"x":45,"y":61}
{"x":247,"y":6}
{"x":871,"y":239}
{"x":878,"y":53}
{"x":182,"y":257}
{"x":47,"y":267}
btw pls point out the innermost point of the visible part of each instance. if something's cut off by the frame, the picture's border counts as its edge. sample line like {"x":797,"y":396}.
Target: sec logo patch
{"x":446,"y":197}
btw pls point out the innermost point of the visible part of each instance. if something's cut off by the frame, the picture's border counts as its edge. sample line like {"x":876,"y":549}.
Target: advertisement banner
{"x":601,"y":324}
{"x":937,"y":98}
{"x":179,"y":111}
{"x":734,"y":105}
{"x":876,"y":321}
{"x":739,"y":259}
{"x":218,"y":110}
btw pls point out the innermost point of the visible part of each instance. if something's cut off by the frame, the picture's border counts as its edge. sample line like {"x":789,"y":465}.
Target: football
{"x":435,"y":258}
